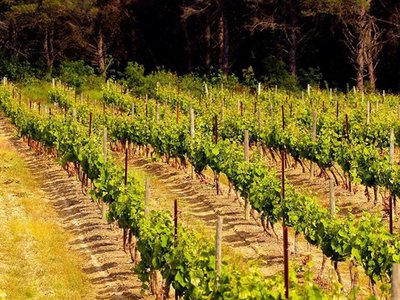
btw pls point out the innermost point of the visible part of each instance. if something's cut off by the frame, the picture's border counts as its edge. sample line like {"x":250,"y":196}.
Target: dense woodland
{"x":286,"y":42}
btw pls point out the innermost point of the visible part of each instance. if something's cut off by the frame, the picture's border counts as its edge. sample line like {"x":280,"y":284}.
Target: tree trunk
{"x":221,"y":41}
{"x":371,"y":49}
{"x":361,"y":48}
{"x":207,"y":39}
{"x":360,"y":66}
{"x":223,"y":38}
{"x":48,"y":49}
{"x":188,"y":47}
{"x":133,"y":44}
{"x":13,"y":35}
{"x":371,"y":73}
{"x":293,"y":40}
{"x":225,"y":61}
{"x":101,"y":61}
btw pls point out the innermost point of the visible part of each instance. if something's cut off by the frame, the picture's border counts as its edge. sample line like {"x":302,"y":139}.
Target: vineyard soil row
{"x":93,"y":249}
{"x":199,"y":207}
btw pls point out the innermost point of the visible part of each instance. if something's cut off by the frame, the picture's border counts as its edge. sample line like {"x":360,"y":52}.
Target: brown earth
{"x":105,"y":263}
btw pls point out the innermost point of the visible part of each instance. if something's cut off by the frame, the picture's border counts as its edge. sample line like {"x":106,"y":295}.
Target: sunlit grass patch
{"x":35,"y":261}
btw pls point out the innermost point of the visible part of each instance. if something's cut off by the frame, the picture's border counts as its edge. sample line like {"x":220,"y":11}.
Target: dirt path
{"x":105,"y":264}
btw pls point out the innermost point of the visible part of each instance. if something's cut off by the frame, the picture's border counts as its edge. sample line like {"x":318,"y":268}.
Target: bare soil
{"x":105,"y":263}
{"x":199,"y":206}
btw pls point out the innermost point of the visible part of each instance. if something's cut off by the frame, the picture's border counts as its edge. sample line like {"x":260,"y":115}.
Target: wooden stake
{"x":332,"y":197}
{"x":216,"y":129}
{"x":90,"y":123}
{"x":337,"y":109}
{"x":347,"y":126}
{"x":177,"y":112}
{"x":246,"y":146}
{"x":391,"y":149}
{"x":218,"y":251}
{"x":391,"y":213}
{"x":247,"y":158}
{"x":285,"y":230}
{"x":313,"y":136}
{"x":147,"y":107}
{"x":126,"y":166}
{"x":391,"y":197}
{"x":105,"y":145}
{"x":147,"y":197}
{"x":192,"y":123}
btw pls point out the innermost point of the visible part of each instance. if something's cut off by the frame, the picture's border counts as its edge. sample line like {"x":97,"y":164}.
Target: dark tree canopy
{"x":284,"y":42}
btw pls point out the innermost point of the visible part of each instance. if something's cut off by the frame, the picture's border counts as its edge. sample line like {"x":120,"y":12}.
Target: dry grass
{"x":35,"y":261}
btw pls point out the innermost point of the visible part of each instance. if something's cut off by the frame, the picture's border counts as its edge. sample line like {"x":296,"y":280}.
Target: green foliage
{"x":113,"y":96}
{"x":275,"y":73}
{"x":358,"y":152}
{"x":192,"y":83}
{"x":219,"y":78}
{"x":60,"y":97}
{"x":76,"y":74}
{"x":310,"y":76}
{"x":16,"y":70}
{"x":134,"y":78}
{"x":249,"y":77}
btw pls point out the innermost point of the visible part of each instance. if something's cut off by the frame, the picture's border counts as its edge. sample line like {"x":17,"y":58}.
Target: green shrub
{"x":311,"y":76}
{"x":134,"y":77}
{"x":275,"y":73}
{"x":16,"y":70}
{"x":76,"y":74}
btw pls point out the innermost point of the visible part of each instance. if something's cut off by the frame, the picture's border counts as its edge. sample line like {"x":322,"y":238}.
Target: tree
{"x":97,"y":25}
{"x":215,"y":14}
{"x":44,"y":23}
{"x":288,"y":19}
{"x":362,"y":35}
